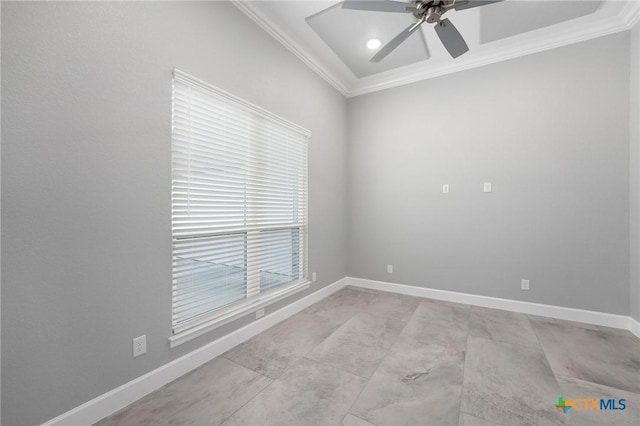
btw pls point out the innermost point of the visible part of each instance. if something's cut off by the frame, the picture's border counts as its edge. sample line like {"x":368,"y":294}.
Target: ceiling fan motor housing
{"x":418,"y":9}
{"x":430,"y":11}
{"x":433,"y":14}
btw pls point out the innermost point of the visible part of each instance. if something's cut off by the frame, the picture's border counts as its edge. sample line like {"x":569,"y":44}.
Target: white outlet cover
{"x":445,"y":188}
{"x":524,"y":284}
{"x":487,"y":187}
{"x":390,"y":269}
{"x":140,"y":345}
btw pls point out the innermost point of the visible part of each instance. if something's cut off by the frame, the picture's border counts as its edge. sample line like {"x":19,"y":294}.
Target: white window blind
{"x":239,"y":203}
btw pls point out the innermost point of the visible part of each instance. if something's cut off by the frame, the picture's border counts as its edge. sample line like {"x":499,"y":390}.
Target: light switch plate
{"x":445,"y":188}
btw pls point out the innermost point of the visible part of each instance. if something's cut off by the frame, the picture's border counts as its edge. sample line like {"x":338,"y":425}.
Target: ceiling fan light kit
{"x":429,"y":11}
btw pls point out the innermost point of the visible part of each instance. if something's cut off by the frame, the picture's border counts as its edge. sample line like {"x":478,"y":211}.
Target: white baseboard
{"x":634,"y":326}
{"x":559,"y":312}
{"x":118,"y":398}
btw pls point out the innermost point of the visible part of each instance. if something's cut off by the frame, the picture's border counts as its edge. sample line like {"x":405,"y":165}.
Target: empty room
{"x":320,"y":213}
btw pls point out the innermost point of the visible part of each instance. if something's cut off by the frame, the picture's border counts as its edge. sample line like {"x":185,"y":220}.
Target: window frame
{"x":204,"y":323}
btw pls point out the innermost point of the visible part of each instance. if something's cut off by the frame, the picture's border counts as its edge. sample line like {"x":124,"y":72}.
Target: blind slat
{"x":238,"y":198}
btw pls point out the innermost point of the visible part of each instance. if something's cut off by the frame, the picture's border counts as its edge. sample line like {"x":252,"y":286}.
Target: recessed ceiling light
{"x":373,"y":43}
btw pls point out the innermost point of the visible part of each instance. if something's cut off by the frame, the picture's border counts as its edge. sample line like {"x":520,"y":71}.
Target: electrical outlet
{"x":389,"y":269}
{"x":259,"y":313}
{"x":487,"y":187}
{"x":445,"y":188}
{"x":524,"y":285}
{"x":313,"y":277}
{"x":140,"y":345}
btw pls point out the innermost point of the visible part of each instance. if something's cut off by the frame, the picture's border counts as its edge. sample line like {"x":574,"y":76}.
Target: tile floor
{"x":363,"y":358}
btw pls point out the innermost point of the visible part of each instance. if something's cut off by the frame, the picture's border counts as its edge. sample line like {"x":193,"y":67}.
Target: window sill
{"x":232,"y":313}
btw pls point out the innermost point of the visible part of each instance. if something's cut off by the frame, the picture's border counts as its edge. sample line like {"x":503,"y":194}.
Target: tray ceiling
{"x":332,"y":40}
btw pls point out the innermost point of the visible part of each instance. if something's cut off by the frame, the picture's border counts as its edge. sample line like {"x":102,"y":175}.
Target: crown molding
{"x":624,"y":21}
{"x":500,"y":51}
{"x":274,"y":31}
{"x":631,"y":13}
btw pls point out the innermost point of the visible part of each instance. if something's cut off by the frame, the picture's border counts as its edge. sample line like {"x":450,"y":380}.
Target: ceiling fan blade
{"x":468,"y":4}
{"x":451,"y":38}
{"x":377,"y":5}
{"x":396,"y":41}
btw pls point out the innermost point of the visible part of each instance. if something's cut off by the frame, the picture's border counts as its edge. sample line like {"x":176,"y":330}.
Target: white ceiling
{"x":510,"y":18}
{"x":331,"y":40}
{"x":347,"y":31}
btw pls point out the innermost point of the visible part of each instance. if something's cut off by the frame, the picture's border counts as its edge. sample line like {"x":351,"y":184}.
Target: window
{"x":239,"y":206}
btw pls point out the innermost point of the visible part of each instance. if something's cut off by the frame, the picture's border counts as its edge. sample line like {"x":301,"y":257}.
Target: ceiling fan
{"x":429,"y":11}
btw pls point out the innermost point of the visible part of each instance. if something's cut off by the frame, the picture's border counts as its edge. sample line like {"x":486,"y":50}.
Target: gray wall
{"x":86,"y":110}
{"x":550,"y":131}
{"x":86,"y":198}
{"x":634,"y":187}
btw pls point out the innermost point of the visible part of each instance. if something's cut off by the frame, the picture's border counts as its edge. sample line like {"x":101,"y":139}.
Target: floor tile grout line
{"x":336,"y":367}
{"x":588,"y":382}
{"x":330,"y":334}
{"x":386,"y":352}
{"x":357,"y":417}
{"x":535,"y":332}
{"x":508,"y":342}
{"x":544,"y":352}
{"x":546,"y":357}
{"x":357,"y":312}
{"x":273,"y":380}
{"x":250,"y":399}
{"x":254,"y":396}
{"x":464,"y":369}
{"x":491,"y":339}
{"x":358,"y":397}
{"x":557,"y":375}
{"x":171,"y":413}
{"x":481,"y":418}
{"x":181,"y":410}
{"x":538,"y":331}
{"x":494,"y":339}
{"x":553,"y":376}
{"x":250,"y":369}
{"x":475,"y":312}
{"x":376,"y":369}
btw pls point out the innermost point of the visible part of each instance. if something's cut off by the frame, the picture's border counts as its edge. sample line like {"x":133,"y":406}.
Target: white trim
{"x":634,"y":326}
{"x":560,"y":312}
{"x":118,"y":398}
{"x":194,"y":81}
{"x":631,"y":13}
{"x":233,"y":312}
{"x":625,"y":20}
{"x":496,"y":54}
{"x":290,"y":44}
